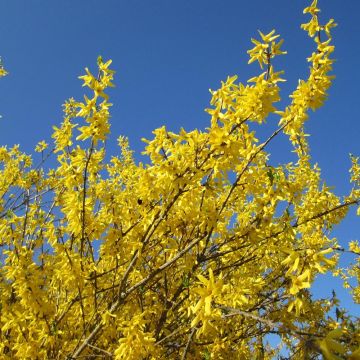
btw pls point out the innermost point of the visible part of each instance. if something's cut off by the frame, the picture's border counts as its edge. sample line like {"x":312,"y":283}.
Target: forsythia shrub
{"x":200,"y":254}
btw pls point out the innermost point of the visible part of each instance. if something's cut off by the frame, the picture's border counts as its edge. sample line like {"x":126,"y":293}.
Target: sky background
{"x":167,"y":54}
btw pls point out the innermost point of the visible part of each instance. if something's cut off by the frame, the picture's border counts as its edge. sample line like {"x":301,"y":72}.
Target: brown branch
{"x":326,"y":212}
{"x":168,"y":336}
{"x":84,"y":199}
{"x":101,"y":350}
{"x":114,"y":307}
{"x":187,"y":347}
{"x":252,"y":157}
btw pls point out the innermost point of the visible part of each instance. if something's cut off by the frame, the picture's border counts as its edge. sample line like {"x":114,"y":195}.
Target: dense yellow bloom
{"x":200,"y":253}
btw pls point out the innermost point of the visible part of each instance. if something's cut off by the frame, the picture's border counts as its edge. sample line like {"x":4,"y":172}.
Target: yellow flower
{"x":312,"y":9}
{"x":41,"y":146}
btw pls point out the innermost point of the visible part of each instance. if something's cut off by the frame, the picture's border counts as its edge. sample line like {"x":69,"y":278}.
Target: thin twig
{"x":187,"y":347}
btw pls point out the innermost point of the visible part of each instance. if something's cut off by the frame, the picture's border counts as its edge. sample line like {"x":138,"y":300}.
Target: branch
{"x":84,"y":199}
{"x":233,"y":312}
{"x":116,"y":304}
{"x":101,"y":350}
{"x":252,"y":157}
{"x":187,"y":347}
{"x":326,"y":212}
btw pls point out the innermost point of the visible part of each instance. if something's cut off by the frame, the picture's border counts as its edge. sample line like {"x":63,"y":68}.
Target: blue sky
{"x":167,"y":54}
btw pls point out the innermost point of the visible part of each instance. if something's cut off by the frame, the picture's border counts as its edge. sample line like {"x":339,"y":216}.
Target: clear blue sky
{"x":167,"y":54}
